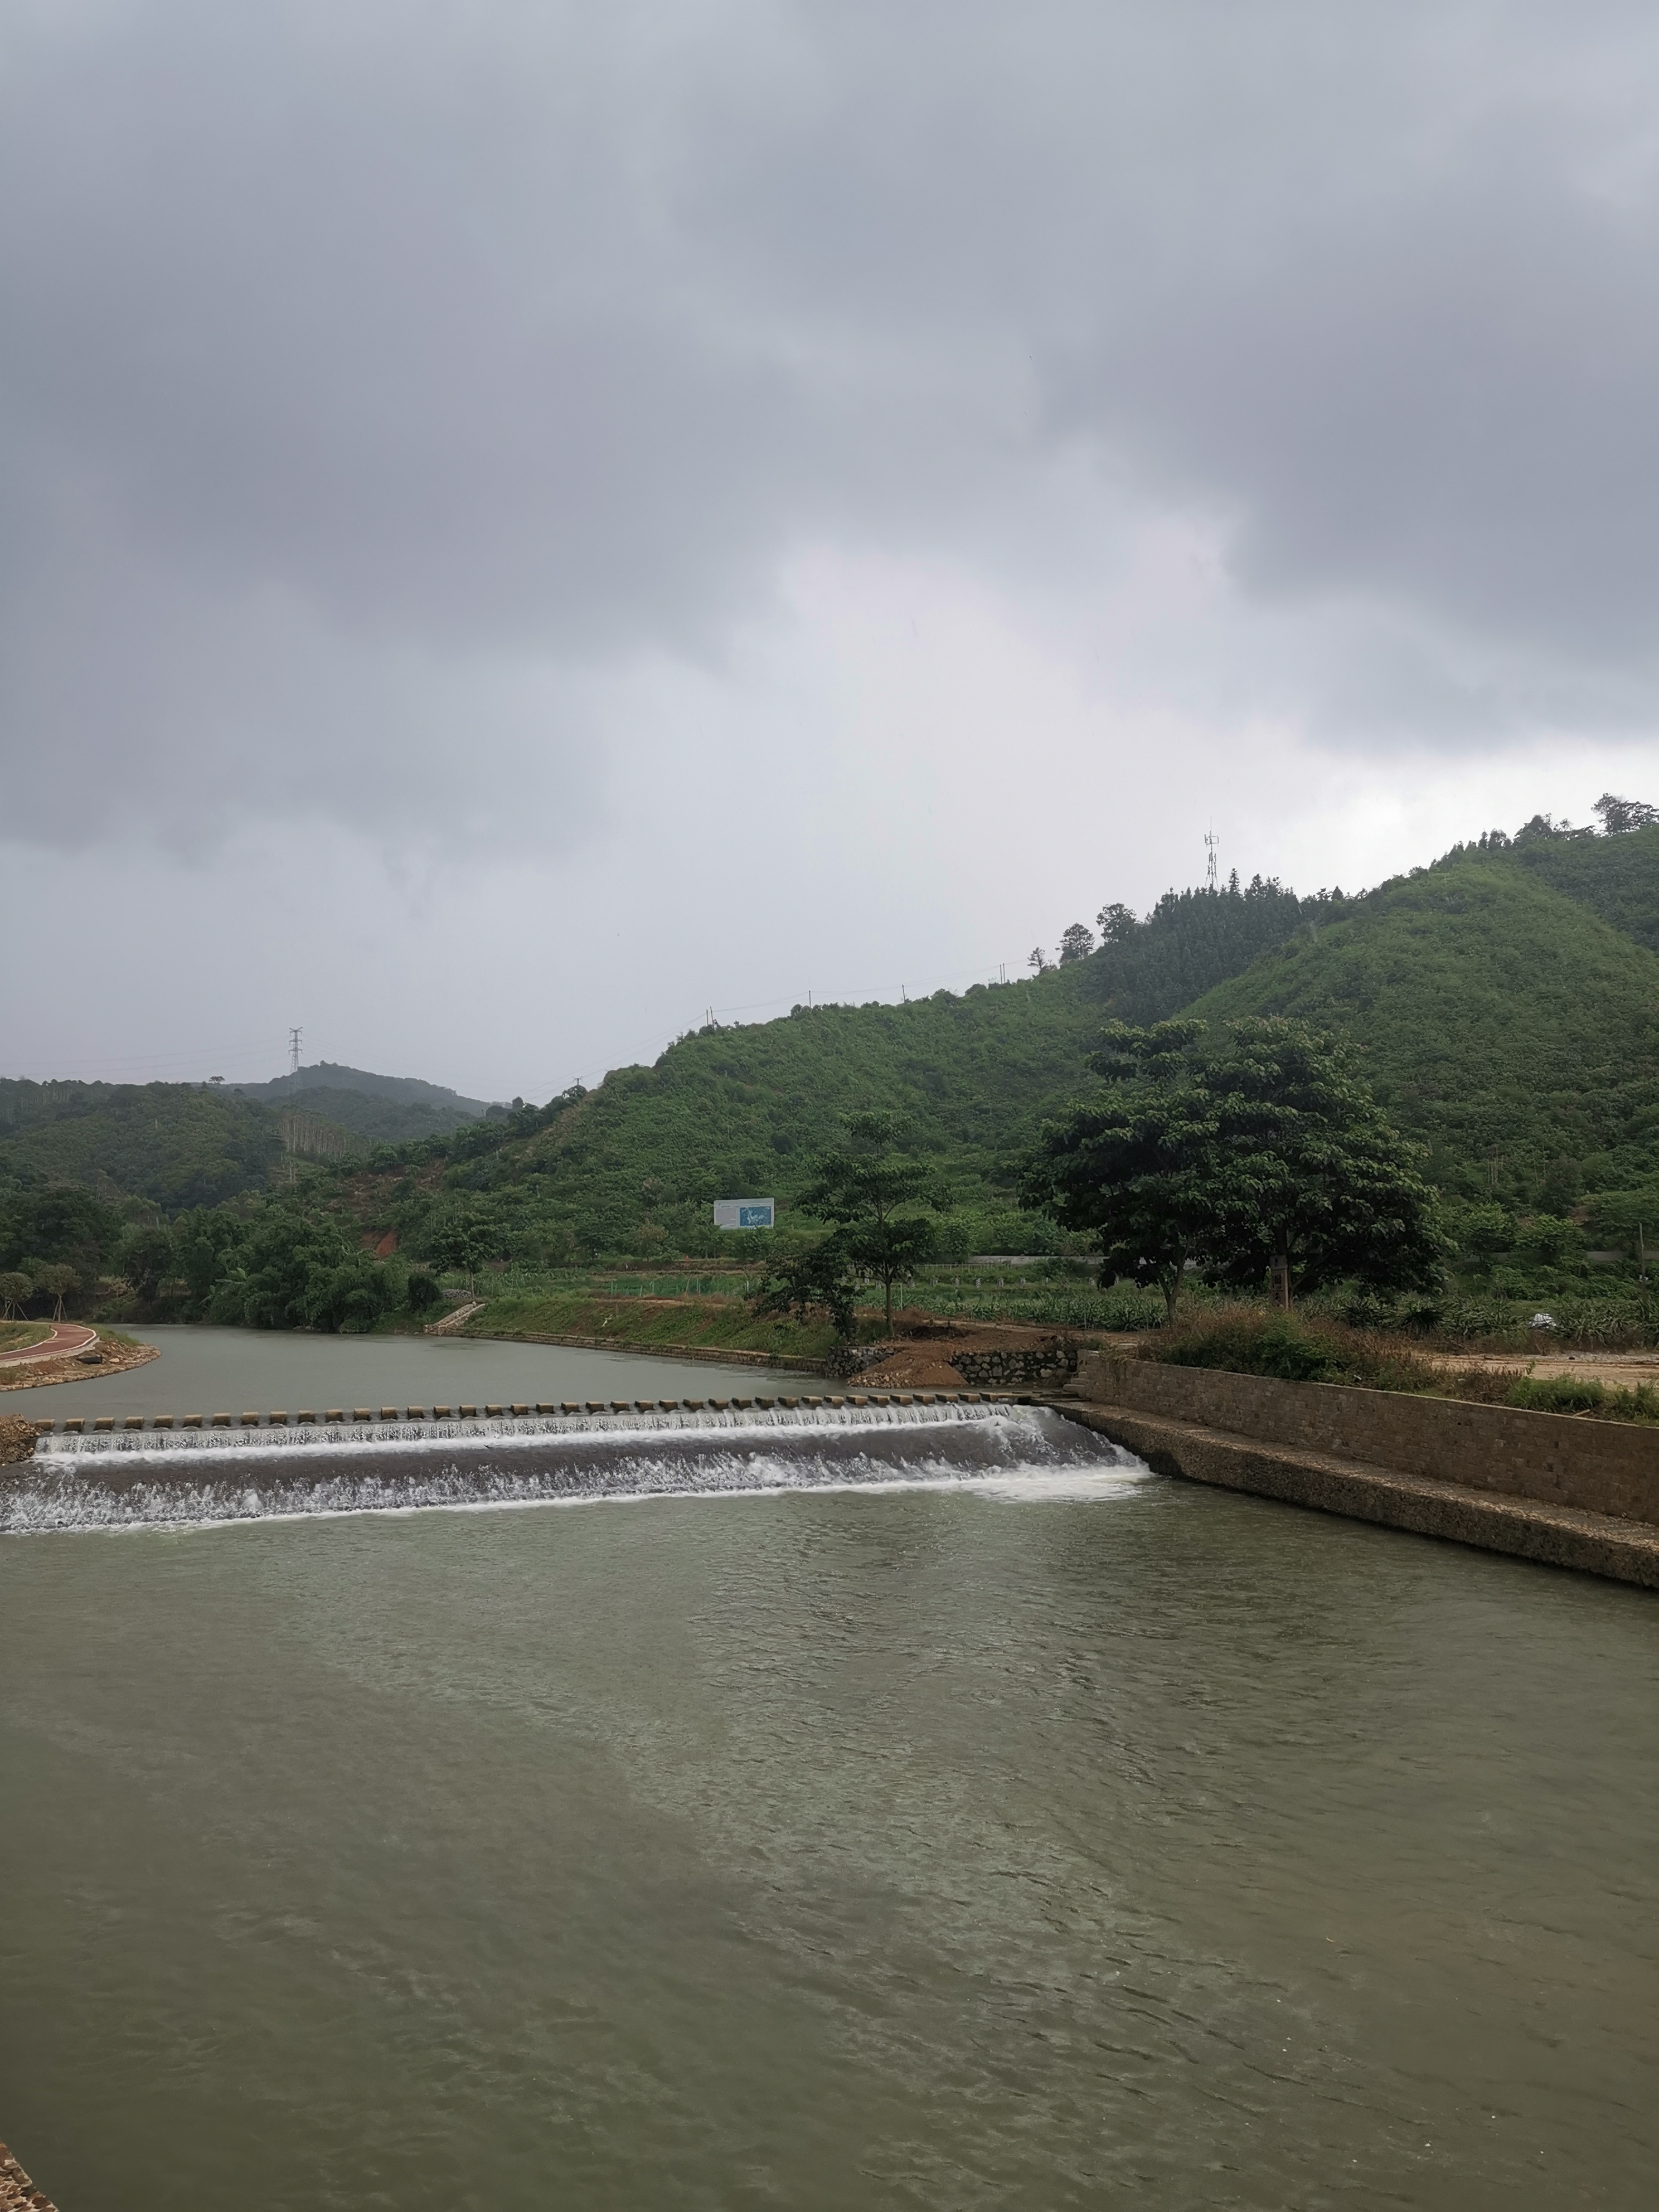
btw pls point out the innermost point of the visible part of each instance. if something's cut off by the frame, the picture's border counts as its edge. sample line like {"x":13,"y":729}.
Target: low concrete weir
{"x":174,"y":1476}
{"x":281,"y":1432}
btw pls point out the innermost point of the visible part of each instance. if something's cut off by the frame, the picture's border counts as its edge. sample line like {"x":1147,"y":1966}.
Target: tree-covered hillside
{"x":1505,"y":1001}
{"x":1503,"y":1019}
{"x":1500,"y":1020}
{"x":176,"y":1144}
{"x":634,"y":1164}
{"x":191,"y":1144}
{"x":1616,"y":877}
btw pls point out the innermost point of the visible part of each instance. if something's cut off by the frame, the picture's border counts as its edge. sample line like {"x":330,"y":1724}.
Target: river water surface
{"x":1032,"y":1835}
{"x":211,"y":1370}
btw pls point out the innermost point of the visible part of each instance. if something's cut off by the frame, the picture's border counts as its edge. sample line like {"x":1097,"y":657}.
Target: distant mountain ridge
{"x":198,"y":1144}
{"x":328,"y":1075}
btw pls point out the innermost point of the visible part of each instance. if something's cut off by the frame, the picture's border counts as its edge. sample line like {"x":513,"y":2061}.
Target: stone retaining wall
{"x":1593,"y":1466}
{"x":17,"y":2192}
{"x":17,"y":1440}
{"x":1029,"y":1368}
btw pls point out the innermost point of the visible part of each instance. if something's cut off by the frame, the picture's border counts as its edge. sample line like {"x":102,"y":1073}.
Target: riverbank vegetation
{"x":643,"y":1324}
{"x":1258,"y":1153}
{"x":1247,"y":1340}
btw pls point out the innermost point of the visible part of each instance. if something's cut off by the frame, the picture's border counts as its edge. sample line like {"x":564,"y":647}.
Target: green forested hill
{"x":177,"y":1144}
{"x":190,"y":1144}
{"x":1505,"y":1000}
{"x":635,"y":1164}
{"x":1616,"y":877}
{"x":1496,"y":1015}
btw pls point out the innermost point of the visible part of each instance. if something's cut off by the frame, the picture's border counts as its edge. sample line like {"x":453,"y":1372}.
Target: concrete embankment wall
{"x":1542,"y":1485}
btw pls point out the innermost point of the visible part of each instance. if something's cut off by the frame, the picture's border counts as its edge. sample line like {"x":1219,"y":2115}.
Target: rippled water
{"x":1042,"y":1837}
{"x":208,"y":1370}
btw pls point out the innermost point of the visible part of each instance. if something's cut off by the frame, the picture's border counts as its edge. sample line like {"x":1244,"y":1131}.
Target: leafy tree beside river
{"x":1266,"y":1155}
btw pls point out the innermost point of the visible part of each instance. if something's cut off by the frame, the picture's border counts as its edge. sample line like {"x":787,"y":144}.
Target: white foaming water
{"x":414,"y":1430}
{"x":177,"y":1479}
{"x":1038,"y":1485}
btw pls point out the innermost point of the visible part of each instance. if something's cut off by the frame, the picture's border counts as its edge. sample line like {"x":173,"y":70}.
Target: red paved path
{"x":66,"y":1336}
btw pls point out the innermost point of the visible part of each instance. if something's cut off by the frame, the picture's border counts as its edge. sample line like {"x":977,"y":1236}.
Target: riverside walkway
{"x":67,"y":1338}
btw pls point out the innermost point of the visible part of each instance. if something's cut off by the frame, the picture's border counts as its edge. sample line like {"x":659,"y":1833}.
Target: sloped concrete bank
{"x":1543,"y":1486}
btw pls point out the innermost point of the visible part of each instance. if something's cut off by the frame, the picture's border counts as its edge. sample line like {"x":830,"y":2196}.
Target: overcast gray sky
{"x":521,"y":523}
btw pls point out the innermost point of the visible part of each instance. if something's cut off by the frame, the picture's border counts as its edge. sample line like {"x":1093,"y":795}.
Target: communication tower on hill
{"x":1211,"y":846}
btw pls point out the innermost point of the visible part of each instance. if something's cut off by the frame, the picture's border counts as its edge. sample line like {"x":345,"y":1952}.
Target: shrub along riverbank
{"x":669,"y":1325}
{"x":1246,"y":1341}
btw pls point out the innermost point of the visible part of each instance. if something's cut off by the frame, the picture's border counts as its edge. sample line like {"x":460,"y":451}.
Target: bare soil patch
{"x":1619,"y":1370}
{"x":918,"y":1356}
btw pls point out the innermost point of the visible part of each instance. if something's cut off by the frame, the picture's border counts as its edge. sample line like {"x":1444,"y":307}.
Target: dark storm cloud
{"x":372,"y":376}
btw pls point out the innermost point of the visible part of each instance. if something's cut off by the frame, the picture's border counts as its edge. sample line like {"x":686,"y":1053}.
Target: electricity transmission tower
{"x":293,"y":1050}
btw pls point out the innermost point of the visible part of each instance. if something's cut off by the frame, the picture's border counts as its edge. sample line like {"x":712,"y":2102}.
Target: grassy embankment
{"x":1240,"y":1339}
{"x":677,"y":1325}
{"x":19,"y":1336}
{"x":656,"y":1313}
{"x":1245,"y":1341}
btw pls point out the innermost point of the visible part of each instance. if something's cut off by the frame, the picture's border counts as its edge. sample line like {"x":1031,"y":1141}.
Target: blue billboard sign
{"x":743,"y":1213}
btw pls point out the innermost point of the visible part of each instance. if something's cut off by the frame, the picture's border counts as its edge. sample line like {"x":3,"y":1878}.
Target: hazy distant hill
{"x":371,"y":1118}
{"x":188,"y":1144}
{"x":446,"y":1108}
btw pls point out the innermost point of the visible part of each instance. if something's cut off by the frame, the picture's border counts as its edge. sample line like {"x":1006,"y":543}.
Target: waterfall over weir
{"x":172,"y":1477}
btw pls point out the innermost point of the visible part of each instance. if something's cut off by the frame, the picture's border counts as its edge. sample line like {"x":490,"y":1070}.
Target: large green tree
{"x":1267,"y":1157}
{"x":1310,"y":1171}
{"x":1134,"y":1164}
{"x":871,"y":1189}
